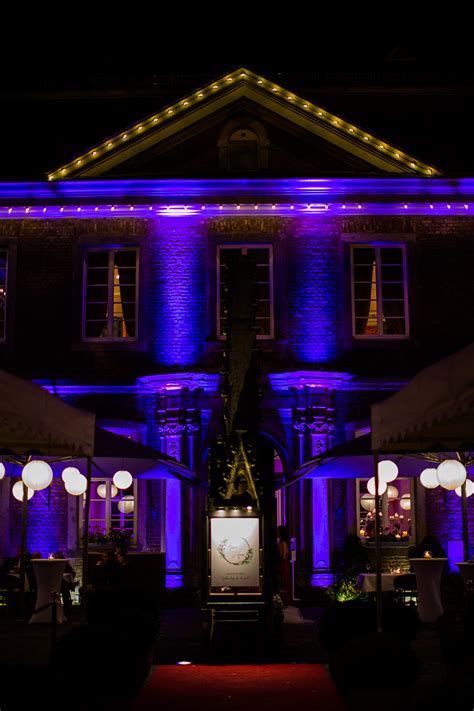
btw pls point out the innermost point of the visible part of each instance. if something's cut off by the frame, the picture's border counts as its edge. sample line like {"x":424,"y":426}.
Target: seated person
{"x":105,"y":571}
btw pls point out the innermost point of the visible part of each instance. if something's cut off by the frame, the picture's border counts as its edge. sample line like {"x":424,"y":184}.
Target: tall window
{"x":110,"y":294}
{"x":379,"y":291}
{"x":264,"y":284}
{"x":112,"y":508}
{"x":3,"y":291}
{"x":397,"y":522}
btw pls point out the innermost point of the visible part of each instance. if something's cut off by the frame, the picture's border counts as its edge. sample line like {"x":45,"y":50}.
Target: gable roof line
{"x":243,"y":82}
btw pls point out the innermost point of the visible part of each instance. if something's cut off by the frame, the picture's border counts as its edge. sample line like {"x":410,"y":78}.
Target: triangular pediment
{"x":322,"y":142}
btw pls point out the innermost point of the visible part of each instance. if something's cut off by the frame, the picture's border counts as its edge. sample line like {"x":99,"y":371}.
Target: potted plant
{"x":119,"y":537}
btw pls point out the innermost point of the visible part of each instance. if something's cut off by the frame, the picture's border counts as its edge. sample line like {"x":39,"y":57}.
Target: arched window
{"x":243,"y":147}
{"x":243,"y":152}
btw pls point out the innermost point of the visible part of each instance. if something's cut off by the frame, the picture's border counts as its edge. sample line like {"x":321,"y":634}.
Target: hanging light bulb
{"x":2,"y":470}
{"x":469,"y":488}
{"x":122,"y":479}
{"x":367,"y":502}
{"x":388,"y":470}
{"x":371,"y":486}
{"x":429,"y":478}
{"x":102,"y":491}
{"x":126,"y":505}
{"x":69,"y":472}
{"x":392,"y":492}
{"x":76,"y":484}
{"x":451,"y":474}
{"x":37,"y":475}
{"x":405,"y":502}
{"x":17,"y":491}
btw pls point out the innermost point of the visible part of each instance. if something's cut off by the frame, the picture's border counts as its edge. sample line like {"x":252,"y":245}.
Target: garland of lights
{"x":87,"y":211}
{"x":321,"y":117}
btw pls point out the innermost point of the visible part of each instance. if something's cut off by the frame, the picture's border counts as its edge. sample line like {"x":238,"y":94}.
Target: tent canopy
{"x":434,"y":412}
{"x":34,"y":421}
{"x":352,"y":460}
{"x":112,"y":452}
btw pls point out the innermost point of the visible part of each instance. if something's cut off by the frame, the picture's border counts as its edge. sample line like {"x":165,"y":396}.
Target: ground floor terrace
{"x":305,"y":413}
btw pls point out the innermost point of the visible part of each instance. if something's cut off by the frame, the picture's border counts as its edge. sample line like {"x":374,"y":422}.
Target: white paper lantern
{"x":37,"y":475}
{"x":367,"y":502}
{"x":126,"y":505}
{"x":2,"y":470}
{"x":371,"y":486}
{"x":69,"y":472}
{"x":469,"y":488}
{"x":102,"y":491}
{"x":388,"y":470}
{"x":405,"y":502}
{"x":429,"y":478}
{"x":17,"y":491}
{"x":451,"y":474}
{"x":76,"y":484}
{"x":392,"y":492}
{"x":122,"y":479}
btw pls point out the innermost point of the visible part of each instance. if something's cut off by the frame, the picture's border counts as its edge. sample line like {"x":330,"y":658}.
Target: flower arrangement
{"x":116,"y":536}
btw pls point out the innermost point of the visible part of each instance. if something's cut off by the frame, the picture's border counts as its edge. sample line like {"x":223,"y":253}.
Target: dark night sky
{"x":62,"y":90}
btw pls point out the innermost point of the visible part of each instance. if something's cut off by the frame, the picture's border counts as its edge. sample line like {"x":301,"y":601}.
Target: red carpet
{"x":266,"y":687}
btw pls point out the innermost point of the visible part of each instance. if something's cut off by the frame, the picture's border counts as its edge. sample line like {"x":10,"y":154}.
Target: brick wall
{"x":46,"y":521}
{"x":314,"y":290}
{"x":177,"y":291}
{"x":444,"y":518}
{"x":153,"y":515}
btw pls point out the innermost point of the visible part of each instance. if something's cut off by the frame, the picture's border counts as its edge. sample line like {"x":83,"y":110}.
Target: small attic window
{"x":243,"y":151}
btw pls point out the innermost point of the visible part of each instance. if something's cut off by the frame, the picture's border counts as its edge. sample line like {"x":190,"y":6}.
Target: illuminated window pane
{"x":379,"y":301}
{"x":110,"y":306}
{"x":3,"y":291}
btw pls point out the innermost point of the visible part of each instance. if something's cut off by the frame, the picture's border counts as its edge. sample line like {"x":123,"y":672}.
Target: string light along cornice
{"x":213,"y":210}
{"x":318,"y":115}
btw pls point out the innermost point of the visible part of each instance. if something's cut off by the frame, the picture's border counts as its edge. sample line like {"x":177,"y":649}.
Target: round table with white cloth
{"x":428,"y":581}
{"x":49,"y":575}
{"x":467,"y":572}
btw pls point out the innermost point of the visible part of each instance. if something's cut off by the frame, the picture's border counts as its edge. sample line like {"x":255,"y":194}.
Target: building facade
{"x":111,"y":276}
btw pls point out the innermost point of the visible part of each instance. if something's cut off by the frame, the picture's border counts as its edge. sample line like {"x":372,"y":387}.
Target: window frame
{"x":110,"y":287}
{"x":378,"y":246}
{"x":3,"y":336}
{"x":411,"y":539}
{"x":246,"y":246}
{"x":108,"y":507}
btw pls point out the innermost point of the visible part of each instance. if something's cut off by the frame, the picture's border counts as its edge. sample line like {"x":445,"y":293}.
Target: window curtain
{"x":127,"y":286}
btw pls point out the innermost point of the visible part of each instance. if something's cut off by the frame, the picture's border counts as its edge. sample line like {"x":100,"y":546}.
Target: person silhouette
{"x":283,"y":567}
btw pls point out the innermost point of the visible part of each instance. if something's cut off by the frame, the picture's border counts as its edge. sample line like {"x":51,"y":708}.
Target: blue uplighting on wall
{"x":178,"y":298}
{"x":173,"y":533}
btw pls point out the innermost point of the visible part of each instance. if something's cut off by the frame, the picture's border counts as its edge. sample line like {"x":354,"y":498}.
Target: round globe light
{"x":371,"y":486}
{"x":2,"y":470}
{"x":469,"y":488}
{"x":17,"y":491}
{"x":367,"y":502}
{"x":122,"y":479}
{"x":69,"y":473}
{"x":451,"y":474}
{"x":429,"y":478}
{"x":102,"y":491}
{"x":405,"y":502}
{"x":126,"y":505}
{"x":392,"y":492}
{"x":37,"y":475}
{"x":76,"y":485}
{"x":388,"y":470}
